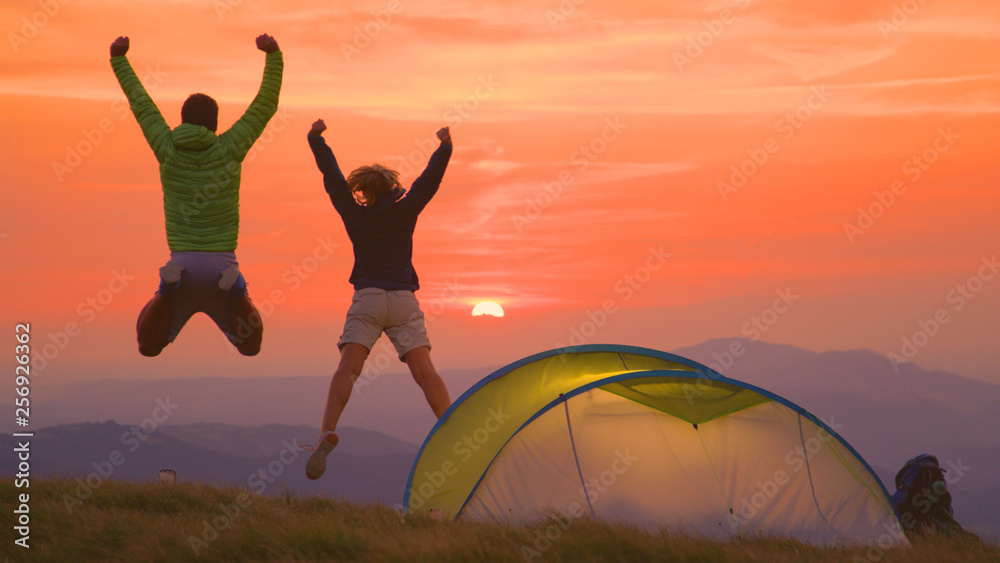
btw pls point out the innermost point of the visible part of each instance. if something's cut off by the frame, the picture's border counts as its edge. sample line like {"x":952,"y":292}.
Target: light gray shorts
{"x":210,"y":283}
{"x":397,"y":313}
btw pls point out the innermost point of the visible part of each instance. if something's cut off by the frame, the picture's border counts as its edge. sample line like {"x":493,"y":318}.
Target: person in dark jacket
{"x":380,"y":217}
{"x":200,"y":175}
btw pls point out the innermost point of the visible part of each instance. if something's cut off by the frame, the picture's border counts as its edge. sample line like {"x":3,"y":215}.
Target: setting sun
{"x":487,"y":308}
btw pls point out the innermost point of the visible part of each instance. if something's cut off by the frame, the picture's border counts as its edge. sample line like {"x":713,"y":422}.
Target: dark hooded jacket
{"x":381,"y":233}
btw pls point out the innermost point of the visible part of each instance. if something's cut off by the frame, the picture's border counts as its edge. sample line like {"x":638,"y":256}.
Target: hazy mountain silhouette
{"x":270,"y":466}
{"x":887,"y":416}
{"x":268,"y":440}
{"x":390,"y":403}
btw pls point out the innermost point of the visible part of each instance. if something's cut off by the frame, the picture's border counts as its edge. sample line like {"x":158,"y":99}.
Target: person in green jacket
{"x":200,"y":175}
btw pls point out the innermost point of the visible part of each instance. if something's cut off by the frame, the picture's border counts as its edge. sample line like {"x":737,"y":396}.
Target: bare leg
{"x":153,"y":325}
{"x":423,"y":372}
{"x":247,"y":327}
{"x":352,"y":359}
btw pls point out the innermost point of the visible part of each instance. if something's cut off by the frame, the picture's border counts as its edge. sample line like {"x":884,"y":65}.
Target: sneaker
{"x":316,"y":465}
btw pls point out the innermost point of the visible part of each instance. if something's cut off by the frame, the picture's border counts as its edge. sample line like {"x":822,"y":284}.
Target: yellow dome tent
{"x":637,"y":436}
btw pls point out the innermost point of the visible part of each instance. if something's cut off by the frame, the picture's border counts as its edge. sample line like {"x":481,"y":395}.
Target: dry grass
{"x":145,"y":522}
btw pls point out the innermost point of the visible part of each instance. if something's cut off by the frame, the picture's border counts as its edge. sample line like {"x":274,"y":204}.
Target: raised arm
{"x":154,"y":127}
{"x":427,"y":184}
{"x":242,"y":135}
{"x":333,"y":179}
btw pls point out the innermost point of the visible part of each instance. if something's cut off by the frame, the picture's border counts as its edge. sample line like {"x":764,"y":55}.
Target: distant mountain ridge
{"x":887,"y":416}
{"x":268,"y":440}
{"x":205,"y":453}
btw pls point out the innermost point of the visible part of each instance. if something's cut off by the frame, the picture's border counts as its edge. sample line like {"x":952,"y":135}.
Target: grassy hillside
{"x":123,"y":521}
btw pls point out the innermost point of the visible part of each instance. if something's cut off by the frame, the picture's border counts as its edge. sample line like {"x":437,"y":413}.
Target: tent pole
{"x":576,"y":458}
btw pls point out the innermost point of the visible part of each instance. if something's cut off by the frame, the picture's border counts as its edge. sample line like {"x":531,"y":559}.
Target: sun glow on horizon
{"x":488,"y":308}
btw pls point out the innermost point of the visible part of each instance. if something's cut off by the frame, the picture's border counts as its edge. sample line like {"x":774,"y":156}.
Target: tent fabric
{"x":645,"y":438}
{"x":673,"y":396}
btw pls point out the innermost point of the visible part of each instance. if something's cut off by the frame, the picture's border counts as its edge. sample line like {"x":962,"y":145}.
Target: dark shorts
{"x":210,"y":283}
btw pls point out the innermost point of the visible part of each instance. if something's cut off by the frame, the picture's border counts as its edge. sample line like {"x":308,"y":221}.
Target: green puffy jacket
{"x":199,"y":170}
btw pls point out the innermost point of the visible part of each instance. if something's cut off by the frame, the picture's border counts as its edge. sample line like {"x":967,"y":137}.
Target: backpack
{"x":921,"y":501}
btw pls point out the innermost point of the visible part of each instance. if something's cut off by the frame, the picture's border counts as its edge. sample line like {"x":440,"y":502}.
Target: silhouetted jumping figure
{"x":200,"y":175}
{"x":380,"y":217}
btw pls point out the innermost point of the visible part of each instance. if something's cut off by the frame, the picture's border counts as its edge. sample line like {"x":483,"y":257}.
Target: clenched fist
{"x":267,"y":43}
{"x":119,"y":47}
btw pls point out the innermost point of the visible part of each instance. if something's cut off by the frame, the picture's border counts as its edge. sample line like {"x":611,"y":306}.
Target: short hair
{"x":201,"y":109}
{"x":369,"y":182}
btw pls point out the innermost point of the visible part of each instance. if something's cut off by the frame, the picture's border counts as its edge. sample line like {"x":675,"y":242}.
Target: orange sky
{"x":584,"y":139}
